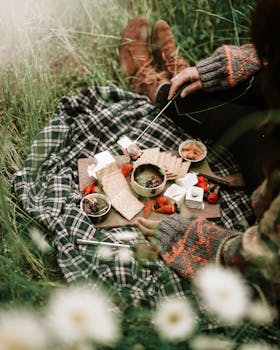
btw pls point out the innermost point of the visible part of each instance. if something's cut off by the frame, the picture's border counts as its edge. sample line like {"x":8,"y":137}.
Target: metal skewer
{"x":161,"y":112}
{"x":89,"y":242}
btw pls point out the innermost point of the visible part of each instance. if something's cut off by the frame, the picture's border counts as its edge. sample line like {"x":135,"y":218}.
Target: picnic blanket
{"x":47,"y":188}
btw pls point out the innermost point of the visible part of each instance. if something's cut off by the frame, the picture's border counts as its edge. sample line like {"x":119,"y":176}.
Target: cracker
{"x":166,"y":161}
{"x":160,"y":159}
{"x":112,"y":188}
{"x":106,"y":170}
{"x":150,"y":155}
{"x":184,"y":169}
{"x":126,"y":204}
{"x":179,"y":162}
{"x":171,"y":169}
{"x":177,"y":168}
{"x":112,"y":176}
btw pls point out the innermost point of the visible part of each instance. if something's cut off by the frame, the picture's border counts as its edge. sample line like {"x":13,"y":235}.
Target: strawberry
{"x":161,"y":201}
{"x":149,"y":206}
{"x":127,"y":168}
{"x":201,"y":178}
{"x":92,"y":188}
{"x":212,"y":198}
{"x":203,"y":185}
{"x":166,"y":209}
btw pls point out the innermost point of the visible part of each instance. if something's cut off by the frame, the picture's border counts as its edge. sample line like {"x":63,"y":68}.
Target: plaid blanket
{"x":47,"y":188}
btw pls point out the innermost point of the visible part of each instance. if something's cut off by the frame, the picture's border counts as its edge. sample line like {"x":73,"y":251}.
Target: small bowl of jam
{"x":96,"y":206}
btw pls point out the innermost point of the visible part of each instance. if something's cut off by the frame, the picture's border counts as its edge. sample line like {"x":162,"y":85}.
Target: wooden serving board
{"x":114,"y":219}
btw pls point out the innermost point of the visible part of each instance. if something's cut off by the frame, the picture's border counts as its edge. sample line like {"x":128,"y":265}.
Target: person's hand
{"x":148,"y":227}
{"x":188,"y":75}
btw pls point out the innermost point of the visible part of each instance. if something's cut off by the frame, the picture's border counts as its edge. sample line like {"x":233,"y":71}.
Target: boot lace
{"x":146,"y":75}
{"x":174,"y":63}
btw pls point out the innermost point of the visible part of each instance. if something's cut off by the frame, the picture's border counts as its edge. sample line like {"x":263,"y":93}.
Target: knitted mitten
{"x":186,"y":244}
{"x":228,"y":66}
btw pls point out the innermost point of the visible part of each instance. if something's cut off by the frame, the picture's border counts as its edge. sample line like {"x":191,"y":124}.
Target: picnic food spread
{"x":149,"y":174}
{"x":163,"y":175}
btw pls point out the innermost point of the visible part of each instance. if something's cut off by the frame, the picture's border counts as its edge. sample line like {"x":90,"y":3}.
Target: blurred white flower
{"x":21,"y":329}
{"x":260,"y":314}
{"x":223,"y":292}
{"x":105,"y":253}
{"x":257,"y":346}
{"x":80,"y":313}
{"x":39,"y":240}
{"x":174,"y":319}
{"x":204,"y":342}
{"x":125,"y":236}
{"x":125,"y":255}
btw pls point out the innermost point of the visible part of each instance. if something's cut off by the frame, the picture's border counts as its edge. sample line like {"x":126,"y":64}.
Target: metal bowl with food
{"x":148,"y":180}
{"x":96,"y":206}
{"x":192,"y":150}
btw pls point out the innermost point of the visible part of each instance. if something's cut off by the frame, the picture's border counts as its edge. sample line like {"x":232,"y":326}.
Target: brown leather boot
{"x":164,"y":49}
{"x":135,"y":60}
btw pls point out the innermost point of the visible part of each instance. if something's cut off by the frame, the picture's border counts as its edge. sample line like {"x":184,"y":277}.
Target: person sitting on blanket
{"x":186,"y":244}
{"x":221,"y":90}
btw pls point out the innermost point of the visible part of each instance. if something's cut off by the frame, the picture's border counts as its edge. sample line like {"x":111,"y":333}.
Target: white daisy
{"x":105,"y":252}
{"x":21,"y":329}
{"x":260,"y":313}
{"x":204,"y":342}
{"x":223,"y":292}
{"x":125,"y":236}
{"x":39,"y":240}
{"x":174,"y":319}
{"x":125,"y":255}
{"x":83,"y":313}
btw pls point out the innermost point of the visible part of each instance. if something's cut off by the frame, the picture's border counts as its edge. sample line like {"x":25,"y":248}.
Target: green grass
{"x":64,"y":47}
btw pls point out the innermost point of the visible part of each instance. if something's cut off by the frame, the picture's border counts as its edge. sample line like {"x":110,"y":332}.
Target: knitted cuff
{"x":212,"y":70}
{"x":186,"y":244}
{"x":228,"y":66}
{"x":170,"y":230}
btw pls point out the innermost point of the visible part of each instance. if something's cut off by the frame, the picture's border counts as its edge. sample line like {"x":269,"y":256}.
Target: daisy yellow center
{"x":223,"y":294}
{"x":174,"y":318}
{"x":79,"y":318}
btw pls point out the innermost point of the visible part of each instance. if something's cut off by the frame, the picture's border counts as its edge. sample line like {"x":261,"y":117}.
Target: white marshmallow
{"x":194,"y":197}
{"x":124,"y":142}
{"x":188,"y":180}
{"x":101,"y":159}
{"x":175,"y":194}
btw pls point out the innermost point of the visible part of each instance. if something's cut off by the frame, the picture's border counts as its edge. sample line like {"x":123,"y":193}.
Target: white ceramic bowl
{"x":143,"y":173}
{"x":99,"y":199}
{"x":190,"y":150}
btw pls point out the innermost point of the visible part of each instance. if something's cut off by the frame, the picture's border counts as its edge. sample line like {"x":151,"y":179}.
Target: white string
{"x":154,"y":120}
{"x":195,"y":112}
{"x":215,"y":106}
